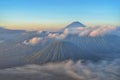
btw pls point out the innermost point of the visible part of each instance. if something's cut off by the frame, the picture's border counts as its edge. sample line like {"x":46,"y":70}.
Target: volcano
{"x":75,"y":24}
{"x":56,"y":52}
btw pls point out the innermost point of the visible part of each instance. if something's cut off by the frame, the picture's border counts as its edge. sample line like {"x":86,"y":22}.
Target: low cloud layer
{"x":78,"y":32}
{"x":100,"y":31}
{"x":105,"y":70}
{"x":88,"y":31}
{"x":95,"y":31}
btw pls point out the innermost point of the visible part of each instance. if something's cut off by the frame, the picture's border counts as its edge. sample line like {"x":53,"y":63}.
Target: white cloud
{"x":105,"y":70}
{"x":57,"y":36}
{"x":53,"y":35}
{"x":100,"y":31}
{"x":33,"y":41}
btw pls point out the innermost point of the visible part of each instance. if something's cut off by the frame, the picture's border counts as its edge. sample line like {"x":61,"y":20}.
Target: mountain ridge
{"x":56,"y":52}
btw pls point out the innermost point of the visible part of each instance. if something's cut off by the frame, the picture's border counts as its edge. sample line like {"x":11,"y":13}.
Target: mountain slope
{"x":57,"y":51}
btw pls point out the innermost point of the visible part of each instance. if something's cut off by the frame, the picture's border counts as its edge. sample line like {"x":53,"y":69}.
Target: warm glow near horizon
{"x":54,"y":14}
{"x":45,"y":26}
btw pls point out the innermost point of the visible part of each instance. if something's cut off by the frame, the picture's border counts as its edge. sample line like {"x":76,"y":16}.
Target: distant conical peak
{"x":75,"y":24}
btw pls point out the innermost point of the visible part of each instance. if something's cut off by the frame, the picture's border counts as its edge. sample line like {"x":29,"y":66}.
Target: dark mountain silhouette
{"x":9,"y":31}
{"x":75,"y":25}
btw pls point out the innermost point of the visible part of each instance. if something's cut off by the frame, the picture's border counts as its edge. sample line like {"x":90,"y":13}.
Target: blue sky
{"x":58,"y":13}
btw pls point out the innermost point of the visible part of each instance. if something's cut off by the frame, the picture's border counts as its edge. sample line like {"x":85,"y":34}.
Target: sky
{"x":55,"y":14}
